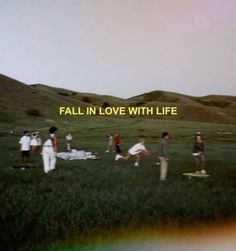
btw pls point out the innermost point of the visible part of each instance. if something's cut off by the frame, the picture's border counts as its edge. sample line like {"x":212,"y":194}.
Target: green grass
{"x":84,"y":197}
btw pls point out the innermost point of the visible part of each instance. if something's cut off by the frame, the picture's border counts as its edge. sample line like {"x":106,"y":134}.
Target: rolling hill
{"x":21,"y":101}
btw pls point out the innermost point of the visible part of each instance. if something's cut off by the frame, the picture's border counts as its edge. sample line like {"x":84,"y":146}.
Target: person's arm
{"x":54,"y":143}
{"x":164,"y":150}
{"x":145,"y":151}
{"x":195,"y":150}
{"x":20,"y":143}
{"x":203,"y":147}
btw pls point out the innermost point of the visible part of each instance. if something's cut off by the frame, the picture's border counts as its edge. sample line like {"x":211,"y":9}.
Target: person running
{"x":135,"y":151}
{"x":24,"y":143}
{"x":110,"y":146}
{"x":117,"y":143}
{"x":163,"y":156}
{"x":50,"y":150}
{"x":198,"y":153}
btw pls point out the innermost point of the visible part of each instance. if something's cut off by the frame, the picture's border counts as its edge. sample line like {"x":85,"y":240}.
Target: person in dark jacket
{"x":198,"y":153}
{"x":163,"y":156}
{"x":116,"y":139}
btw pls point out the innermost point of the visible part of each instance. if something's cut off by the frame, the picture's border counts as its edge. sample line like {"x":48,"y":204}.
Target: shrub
{"x":33,"y":112}
{"x":86,"y":99}
{"x":105,"y":105}
{"x":63,"y":94}
{"x":140,"y":103}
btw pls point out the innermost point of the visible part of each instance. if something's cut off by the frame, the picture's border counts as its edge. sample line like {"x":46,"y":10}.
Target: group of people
{"x":49,"y":150}
{"x":139,"y":148}
{"x":113,"y":141}
{"x":29,"y":143}
{"x":33,"y":144}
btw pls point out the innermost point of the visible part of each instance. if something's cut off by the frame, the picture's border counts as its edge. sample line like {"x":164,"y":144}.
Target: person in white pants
{"x":49,"y":151}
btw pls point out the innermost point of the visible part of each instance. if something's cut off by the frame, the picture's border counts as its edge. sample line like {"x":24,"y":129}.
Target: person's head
{"x":165,"y":135}
{"x":26,"y":133}
{"x":198,"y":137}
{"x":52,"y":129}
{"x":142,"y":141}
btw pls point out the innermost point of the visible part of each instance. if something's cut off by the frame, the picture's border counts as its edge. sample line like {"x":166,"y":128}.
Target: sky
{"x":121,"y":47}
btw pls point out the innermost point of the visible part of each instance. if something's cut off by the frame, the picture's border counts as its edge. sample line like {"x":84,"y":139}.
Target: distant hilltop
{"x":19,"y":100}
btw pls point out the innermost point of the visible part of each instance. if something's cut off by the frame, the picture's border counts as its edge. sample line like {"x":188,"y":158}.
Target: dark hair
{"x":53,"y":129}
{"x":198,"y":134}
{"x":26,"y":132}
{"x":164,"y":134}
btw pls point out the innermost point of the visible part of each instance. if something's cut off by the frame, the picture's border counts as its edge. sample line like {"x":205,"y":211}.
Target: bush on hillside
{"x":86,"y":99}
{"x":33,"y":112}
{"x":105,"y":105}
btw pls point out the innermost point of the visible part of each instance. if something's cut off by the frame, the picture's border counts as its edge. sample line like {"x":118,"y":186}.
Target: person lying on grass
{"x":136,"y":151}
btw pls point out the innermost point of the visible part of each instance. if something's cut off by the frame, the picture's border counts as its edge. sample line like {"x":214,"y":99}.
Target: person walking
{"x":50,"y":150}
{"x":163,"y":156}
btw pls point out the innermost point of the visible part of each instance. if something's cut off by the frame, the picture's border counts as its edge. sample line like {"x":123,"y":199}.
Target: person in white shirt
{"x":110,"y":146}
{"x":39,"y":140}
{"x":34,"y":143}
{"x":25,"y":148}
{"x":68,"y":141}
{"x":49,"y":151}
{"x":136,"y":151}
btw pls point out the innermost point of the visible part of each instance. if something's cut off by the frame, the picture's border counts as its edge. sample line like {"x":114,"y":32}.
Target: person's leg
{"x":21,"y":157}
{"x":27,"y":156}
{"x":202,"y":159}
{"x":68,"y":146}
{"x":163,"y":167}
{"x":117,"y":149}
{"x":119,"y":156}
{"x":53,"y":159}
{"x":112,"y":148}
{"x":46,"y":160}
{"x":197,"y":162}
{"x":137,"y":159}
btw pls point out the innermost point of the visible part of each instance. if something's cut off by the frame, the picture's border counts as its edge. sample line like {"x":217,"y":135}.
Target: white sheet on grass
{"x":74,"y":154}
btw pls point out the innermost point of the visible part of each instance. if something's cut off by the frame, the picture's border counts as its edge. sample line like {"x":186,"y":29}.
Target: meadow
{"x":82,"y":198}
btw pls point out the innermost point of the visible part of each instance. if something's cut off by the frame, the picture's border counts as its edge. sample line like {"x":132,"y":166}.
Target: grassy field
{"x":82,"y":198}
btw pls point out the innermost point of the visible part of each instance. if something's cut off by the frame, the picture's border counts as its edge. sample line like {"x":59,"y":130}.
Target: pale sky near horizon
{"x":121,"y":47}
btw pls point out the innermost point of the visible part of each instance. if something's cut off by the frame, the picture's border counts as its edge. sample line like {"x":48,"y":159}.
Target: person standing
{"x":198,"y":153}
{"x":68,"y":141}
{"x":25,"y":148}
{"x":110,"y":146}
{"x":39,"y":140}
{"x":163,"y":156}
{"x":50,"y":150}
{"x":117,"y":143}
{"x":34,"y":143}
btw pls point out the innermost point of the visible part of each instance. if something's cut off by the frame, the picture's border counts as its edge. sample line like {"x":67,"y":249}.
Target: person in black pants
{"x":117,"y":142}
